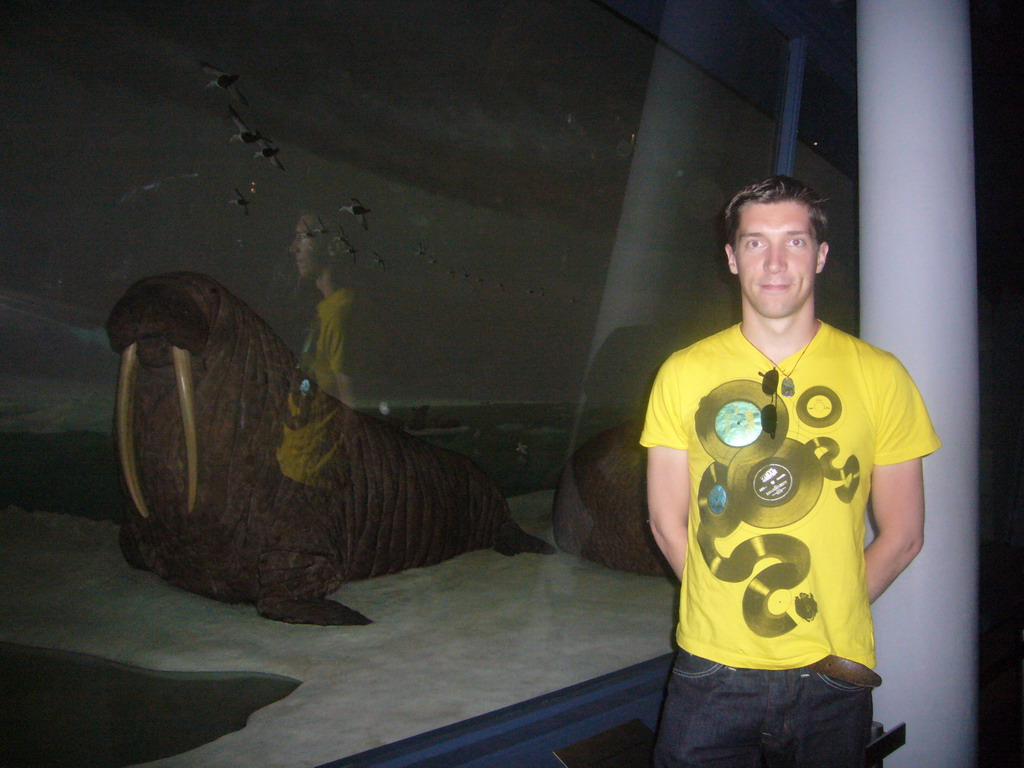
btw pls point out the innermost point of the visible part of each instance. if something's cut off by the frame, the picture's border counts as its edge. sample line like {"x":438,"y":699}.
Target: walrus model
{"x":247,"y":483}
{"x":600,"y":508}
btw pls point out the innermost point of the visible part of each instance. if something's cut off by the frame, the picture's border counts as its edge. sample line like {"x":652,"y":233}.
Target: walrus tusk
{"x":183,"y":373}
{"x":125,"y":439}
{"x":125,"y":436}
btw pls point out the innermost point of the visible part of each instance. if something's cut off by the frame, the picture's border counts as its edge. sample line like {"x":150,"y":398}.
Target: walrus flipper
{"x":292,"y":587}
{"x":312,"y":611}
{"x":512,"y":540}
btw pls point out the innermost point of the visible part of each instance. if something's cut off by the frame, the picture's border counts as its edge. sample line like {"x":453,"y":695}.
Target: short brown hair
{"x":776,"y":189}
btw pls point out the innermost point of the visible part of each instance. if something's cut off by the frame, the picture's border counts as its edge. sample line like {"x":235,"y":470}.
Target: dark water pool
{"x":62,"y":709}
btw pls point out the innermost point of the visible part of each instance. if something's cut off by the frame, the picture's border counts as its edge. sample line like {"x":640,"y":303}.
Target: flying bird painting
{"x":343,"y":239}
{"x":240,"y":201}
{"x":245,"y":134}
{"x":269,"y":151}
{"x":225,"y":81}
{"x":357,"y":209}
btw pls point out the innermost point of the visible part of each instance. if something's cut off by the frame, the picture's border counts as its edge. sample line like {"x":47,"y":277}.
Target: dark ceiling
{"x":452,"y":97}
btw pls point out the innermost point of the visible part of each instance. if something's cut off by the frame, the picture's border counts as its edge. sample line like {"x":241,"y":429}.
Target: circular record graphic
{"x":819,"y":407}
{"x":779,"y":489}
{"x":728,"y":420}
{"x":719,"y":514}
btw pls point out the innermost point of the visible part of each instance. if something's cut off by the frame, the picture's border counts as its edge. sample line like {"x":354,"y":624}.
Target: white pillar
{"x":918,"y":300}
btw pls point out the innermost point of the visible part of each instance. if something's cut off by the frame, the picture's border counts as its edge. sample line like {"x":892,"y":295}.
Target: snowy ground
{"x":459,"y":639}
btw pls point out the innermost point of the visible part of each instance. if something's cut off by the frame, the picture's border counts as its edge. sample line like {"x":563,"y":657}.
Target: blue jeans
{"x":749,"y":718}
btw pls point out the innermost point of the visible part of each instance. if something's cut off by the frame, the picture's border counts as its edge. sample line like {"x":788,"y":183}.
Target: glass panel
{"x":699,"y":142}
{"x":520,"y":200}
{"x":494,"y":154}
{"x":826,"y":158}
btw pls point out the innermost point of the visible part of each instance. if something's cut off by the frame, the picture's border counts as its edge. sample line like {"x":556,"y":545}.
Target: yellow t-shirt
{"x":774,"y":575}
{"x":313,"y":436}
{"x":323,"y":352}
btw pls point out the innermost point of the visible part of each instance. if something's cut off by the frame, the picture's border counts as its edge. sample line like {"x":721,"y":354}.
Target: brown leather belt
{"x":847,"y":671}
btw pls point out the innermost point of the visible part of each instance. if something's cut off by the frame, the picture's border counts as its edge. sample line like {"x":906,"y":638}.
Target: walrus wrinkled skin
{"x":210,"y":508}
{"x":600,"y":508}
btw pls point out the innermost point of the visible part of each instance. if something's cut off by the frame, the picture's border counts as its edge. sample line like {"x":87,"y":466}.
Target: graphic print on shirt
{"x":768,"y":484}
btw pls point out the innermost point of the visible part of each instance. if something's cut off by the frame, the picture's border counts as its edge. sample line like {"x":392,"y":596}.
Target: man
{"x":765,"y":442}
{"x":319,"y":263}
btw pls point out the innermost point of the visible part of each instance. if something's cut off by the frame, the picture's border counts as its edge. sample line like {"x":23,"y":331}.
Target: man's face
{"x":302,"y":249}
{"x":776,"y":258}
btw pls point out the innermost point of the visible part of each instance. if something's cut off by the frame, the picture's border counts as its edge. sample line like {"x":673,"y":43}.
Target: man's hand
{"x":344,"y":392}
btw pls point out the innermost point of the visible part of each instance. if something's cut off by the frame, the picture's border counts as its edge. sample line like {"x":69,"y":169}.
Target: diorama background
{"x":494,"y":141}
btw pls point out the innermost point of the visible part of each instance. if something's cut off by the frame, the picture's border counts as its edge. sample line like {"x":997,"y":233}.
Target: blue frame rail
{"x":528,"y":733}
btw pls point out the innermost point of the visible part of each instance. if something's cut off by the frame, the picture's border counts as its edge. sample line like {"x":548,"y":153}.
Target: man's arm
{"x":344,"y":393}
{"x":668,"y":502}
{"x":897,"y":502}
{"x":339,"y":386}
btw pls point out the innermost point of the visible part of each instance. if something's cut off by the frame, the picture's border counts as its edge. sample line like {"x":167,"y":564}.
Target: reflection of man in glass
{"x":313,"y":436}
{"x":319,"y":263}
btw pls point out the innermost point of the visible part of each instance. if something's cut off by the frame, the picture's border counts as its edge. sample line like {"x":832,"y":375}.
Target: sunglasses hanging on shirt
{"x":770,"y":386}
{"x":770,"y":413}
